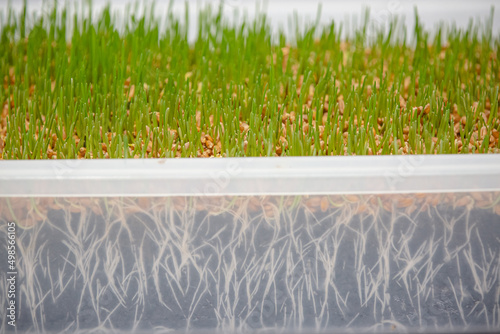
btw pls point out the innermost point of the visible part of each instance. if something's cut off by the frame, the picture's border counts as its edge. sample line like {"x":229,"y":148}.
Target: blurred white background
{"x":279,"y":11}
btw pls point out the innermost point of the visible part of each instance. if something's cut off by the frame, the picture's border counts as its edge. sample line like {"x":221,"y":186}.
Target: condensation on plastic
{"x":251,"y":176}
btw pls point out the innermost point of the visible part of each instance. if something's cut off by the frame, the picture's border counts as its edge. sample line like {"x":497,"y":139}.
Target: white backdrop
{"x":279,"y":11}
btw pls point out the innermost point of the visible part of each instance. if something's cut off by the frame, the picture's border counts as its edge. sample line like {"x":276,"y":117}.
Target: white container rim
{"x":251,"y":176}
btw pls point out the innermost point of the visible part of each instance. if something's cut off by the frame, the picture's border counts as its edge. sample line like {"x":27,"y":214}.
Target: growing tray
{"x":380,"y":244}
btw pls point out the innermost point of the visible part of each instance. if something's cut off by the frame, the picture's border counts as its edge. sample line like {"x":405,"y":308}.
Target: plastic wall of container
{"x":379,"y":244}
{"x":251,"y":176}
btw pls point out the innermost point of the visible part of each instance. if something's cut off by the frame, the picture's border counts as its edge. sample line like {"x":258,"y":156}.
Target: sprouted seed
{"x":77,"y":86}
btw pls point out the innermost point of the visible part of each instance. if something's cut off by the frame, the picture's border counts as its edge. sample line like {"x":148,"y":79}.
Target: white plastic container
{"x":384,"y":244}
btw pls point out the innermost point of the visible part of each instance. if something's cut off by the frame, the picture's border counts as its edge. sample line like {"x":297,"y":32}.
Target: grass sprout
{"x":83,"y":86}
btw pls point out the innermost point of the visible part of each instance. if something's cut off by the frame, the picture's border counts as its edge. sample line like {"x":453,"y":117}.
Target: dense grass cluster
{"x":78,"y":86}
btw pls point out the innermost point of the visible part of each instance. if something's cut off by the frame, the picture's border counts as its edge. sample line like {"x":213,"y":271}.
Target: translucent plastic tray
{"x":379,"y":244}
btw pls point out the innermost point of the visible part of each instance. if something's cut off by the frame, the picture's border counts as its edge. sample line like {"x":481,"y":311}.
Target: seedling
{"x":76,"y":86}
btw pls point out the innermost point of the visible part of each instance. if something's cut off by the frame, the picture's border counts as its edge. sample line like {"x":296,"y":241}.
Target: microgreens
{"x":80,"y":86}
